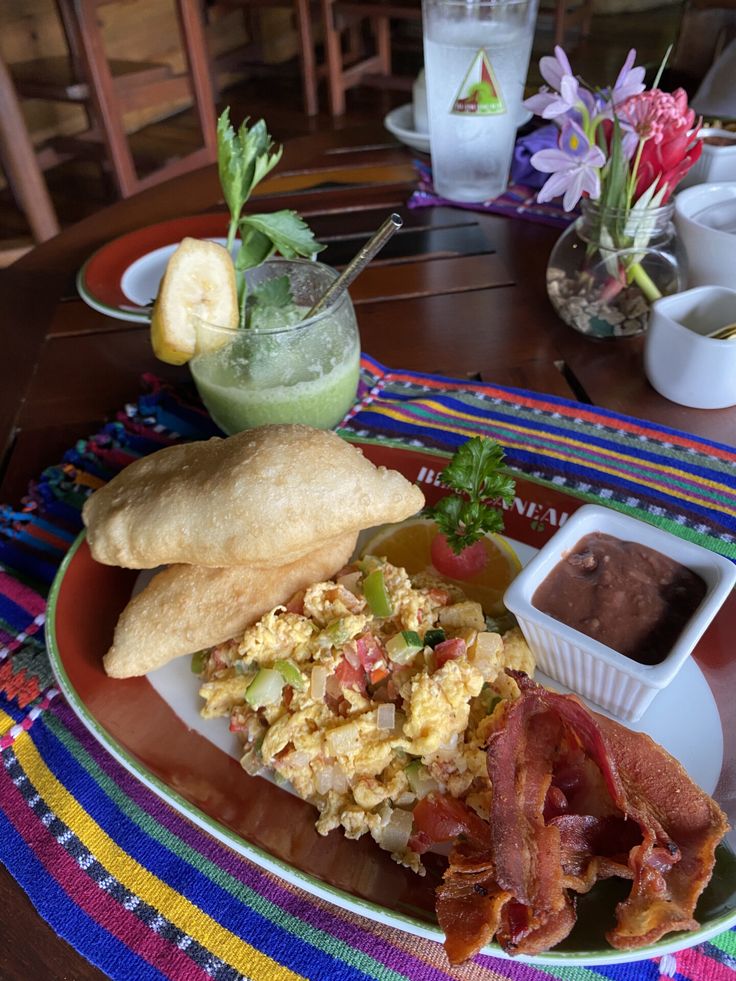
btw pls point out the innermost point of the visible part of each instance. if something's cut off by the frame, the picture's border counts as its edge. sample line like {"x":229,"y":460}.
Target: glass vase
{"x":610,"y":265}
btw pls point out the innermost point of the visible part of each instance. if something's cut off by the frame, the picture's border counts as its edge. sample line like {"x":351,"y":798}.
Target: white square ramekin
{"x":619,"y":684}
{"x":716,"y":163}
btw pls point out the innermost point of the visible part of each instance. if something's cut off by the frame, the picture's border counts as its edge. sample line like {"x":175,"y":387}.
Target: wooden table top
{"x":455,"y":292}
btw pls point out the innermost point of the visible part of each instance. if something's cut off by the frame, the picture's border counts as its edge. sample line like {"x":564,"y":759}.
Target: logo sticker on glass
{"x":480,"y":94}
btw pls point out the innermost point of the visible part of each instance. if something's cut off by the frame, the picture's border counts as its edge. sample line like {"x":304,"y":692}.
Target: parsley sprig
{"x":476,"y":476}
{"x":244,"y":158}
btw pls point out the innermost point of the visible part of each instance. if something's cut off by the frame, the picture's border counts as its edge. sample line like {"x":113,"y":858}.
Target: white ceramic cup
{"x":682,"y":363}
{"x":717,"y":162}
{"x":705,"y":218}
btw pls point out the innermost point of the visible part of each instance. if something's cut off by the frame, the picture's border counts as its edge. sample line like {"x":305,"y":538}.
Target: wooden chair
{"x":706,"y":28}
{"x":569,"y":20}
{"x":21,"y":168}
{"x":107,"y":89}
{"x":347,"y":63}
{"x":252,"y":53}
{"x":571,"y":14}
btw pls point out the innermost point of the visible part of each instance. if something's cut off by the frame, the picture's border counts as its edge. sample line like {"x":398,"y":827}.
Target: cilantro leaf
{"x":274,"y":292}
{"x":290,"y":234}
{"x":475,"y":475}
{"x":229,"y":165}
{"x":255,"y":248}
{"x":243,"y":159}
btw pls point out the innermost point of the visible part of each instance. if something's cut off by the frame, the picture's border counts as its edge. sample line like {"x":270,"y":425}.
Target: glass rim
{"x":298,"y":327}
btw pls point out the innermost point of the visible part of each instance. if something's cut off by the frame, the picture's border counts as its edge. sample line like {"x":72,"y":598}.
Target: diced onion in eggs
{"x":344,"y":739}
{"x":318,"y":682}
{"x":386,"y":716}
{"x":397,"y":830}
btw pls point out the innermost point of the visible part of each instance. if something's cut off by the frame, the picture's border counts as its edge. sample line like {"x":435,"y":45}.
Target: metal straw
{"x":358,"y":263}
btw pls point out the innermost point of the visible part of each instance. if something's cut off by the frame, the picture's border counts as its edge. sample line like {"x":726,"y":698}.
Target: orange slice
{"x":408,"y":545}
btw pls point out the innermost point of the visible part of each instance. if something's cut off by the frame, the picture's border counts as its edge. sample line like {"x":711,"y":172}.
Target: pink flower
{"x":665,"y":124}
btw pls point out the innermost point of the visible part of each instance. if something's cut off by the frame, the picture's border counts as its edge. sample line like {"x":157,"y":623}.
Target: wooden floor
{"x":79,"y":189}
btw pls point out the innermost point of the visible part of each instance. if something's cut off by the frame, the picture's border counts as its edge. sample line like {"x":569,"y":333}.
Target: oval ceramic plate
{"x":121,"y":279}
{"x":152,"y":726}
{"x":400,"y":123}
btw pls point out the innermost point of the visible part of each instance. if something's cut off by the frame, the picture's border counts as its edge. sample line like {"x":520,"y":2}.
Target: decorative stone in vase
{"x":609,"y":266}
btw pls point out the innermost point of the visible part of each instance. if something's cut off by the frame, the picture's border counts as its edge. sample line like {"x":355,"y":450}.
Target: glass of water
{"x":476,"y":58}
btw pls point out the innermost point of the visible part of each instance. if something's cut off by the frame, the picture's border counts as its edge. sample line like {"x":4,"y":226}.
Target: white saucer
{"x":400,"y":123}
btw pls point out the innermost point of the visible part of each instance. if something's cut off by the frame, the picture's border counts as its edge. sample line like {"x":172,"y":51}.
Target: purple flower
{"x":574,"y":165}
{"x":554,"y":69}
{"x":630,"y":80}
{"x":548,"y":105}
{"x":557,"y":72}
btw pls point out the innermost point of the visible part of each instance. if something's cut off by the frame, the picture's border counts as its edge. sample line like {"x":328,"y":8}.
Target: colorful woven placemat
{"x":517,"y":201}
{"x":139,"y":890}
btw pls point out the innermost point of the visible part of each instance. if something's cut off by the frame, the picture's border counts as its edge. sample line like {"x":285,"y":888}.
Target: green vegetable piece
{"x":419,"y":779}
{"x":337,"y":632}
{"x":376,"y":594}
{"x":489,"y":699}
{"x":411,"y":772}
{"x":265,"y":689}
{"x":404,"y":646}
{"x":199,"y":661}
{"x":291,"y":674}
{"x":476,"y":476}
{"x":434,"y":637}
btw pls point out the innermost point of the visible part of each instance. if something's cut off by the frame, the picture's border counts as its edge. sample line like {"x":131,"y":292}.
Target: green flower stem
{"x":634,"y":172}
{"x":232,"y":231}
{"x":644,"y":282}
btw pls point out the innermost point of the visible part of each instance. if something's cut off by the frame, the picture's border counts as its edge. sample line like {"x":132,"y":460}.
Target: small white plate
{"x":122,"y":278}
{"x":400,"y":123}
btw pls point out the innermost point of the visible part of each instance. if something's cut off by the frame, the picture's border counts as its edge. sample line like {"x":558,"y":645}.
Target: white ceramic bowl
{"x":617,"y":683}
{"x":680,"y":362}
{"x":716,"y":163}
{"x":705,"y":218}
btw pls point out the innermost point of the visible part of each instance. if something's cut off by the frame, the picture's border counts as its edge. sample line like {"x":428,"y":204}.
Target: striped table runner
{"x":139,"y":890}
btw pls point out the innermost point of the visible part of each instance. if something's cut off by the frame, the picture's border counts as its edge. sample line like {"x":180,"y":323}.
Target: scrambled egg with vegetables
{"x":367,"y":693}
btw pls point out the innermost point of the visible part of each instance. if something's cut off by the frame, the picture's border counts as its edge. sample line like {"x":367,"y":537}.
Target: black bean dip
{"x":623,"y":594}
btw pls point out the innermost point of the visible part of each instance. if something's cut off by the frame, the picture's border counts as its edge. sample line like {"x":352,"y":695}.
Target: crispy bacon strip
{"x":661,"y":796}
{"x":469,"y":903}
{"x":577,"y":797}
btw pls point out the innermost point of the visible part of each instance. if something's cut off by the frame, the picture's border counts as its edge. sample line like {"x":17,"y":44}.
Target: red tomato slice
{"x":468,"y":563}
{"x":369,"y":651}
{"x":350,"y":677}
{"x":449,"y":650}
{"x":439,"y":818}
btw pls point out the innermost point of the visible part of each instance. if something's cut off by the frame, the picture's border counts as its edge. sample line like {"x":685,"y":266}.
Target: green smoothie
{"x":293,"y":374}
{"x":320,"y":401}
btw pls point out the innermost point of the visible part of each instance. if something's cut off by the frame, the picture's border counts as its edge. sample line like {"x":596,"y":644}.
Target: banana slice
{"x":200,"y":281}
